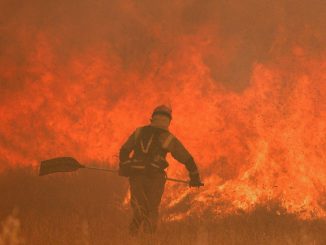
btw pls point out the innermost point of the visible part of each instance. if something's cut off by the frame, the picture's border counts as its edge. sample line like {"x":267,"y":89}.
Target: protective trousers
{"x":146,"y":193}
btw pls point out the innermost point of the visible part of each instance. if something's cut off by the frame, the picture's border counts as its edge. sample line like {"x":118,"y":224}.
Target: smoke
{"x":232,"y":36}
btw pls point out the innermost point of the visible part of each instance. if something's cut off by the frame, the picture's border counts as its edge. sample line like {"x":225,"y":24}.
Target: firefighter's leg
{"x":138,"y":202}
{"x":154,"y":189}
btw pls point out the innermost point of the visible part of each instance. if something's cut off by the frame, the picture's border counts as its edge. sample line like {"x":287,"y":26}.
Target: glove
{"x":195,"y":181}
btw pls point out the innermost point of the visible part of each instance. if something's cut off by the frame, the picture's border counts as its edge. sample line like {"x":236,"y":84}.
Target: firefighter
{"x":143,"y":159}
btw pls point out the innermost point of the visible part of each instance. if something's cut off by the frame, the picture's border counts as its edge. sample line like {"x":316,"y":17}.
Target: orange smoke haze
{"x":246,"y":80}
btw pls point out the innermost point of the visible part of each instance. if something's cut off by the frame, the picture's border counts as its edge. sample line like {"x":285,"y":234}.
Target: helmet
{"x":163,"y":110}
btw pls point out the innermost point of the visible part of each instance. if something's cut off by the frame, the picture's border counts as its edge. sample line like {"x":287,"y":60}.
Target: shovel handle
{"x":102,"y":169}
{"x":116,"y":171}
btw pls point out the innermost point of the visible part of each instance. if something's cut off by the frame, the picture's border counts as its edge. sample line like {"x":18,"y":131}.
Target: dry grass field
{"x":86,"y":208}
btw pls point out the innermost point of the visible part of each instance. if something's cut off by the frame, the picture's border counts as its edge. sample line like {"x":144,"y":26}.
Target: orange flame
{"x":254,"y":143}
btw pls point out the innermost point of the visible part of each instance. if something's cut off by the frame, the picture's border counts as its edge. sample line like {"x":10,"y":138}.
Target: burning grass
{"x":86,"y":208}
{"x":246,"y":80}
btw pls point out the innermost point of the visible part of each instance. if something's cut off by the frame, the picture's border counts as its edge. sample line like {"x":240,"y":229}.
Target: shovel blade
{"x":59,"y":164}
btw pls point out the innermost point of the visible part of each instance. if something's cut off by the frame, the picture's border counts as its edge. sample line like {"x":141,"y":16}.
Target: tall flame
{"x":247,"y":91}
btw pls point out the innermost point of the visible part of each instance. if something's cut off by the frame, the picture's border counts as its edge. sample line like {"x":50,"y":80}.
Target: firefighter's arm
{"x":124,"y":154}
{"x":127,"y":148}
{"x":181,"y":154}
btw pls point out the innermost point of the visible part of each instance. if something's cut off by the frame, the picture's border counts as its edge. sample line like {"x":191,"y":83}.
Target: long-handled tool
{"x":69,"y":164}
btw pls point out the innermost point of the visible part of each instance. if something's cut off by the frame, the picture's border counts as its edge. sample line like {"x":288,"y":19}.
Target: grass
{"x":86,"y":208}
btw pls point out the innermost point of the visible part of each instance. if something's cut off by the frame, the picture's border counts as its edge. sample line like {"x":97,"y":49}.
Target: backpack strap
{"x":146,"y":149}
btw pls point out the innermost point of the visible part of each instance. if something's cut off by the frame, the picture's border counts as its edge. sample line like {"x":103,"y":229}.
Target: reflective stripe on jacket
{"x":150,"y":142}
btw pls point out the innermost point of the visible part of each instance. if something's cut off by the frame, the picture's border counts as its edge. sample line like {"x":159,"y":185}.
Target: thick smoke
{"x":233,"y":36}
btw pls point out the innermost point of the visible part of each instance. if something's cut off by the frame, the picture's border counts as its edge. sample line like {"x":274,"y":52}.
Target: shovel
{"x":69,"y":164}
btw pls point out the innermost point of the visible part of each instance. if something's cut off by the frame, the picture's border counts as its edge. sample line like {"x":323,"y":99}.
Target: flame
{"x":252,"y":116}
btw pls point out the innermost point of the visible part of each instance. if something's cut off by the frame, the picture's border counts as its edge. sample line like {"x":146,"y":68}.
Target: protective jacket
{"x":149,"y":146}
